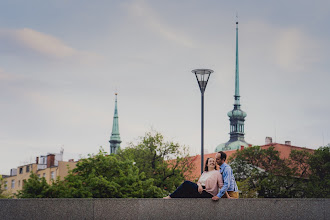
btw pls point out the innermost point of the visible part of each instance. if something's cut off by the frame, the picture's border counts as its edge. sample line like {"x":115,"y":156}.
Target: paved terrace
{"x":159,"y":209}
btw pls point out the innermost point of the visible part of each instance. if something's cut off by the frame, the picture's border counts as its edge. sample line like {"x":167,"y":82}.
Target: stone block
{"x":190,"y":209}
{"x":17,"y":209}
{"x":326,"y":208}
{"x":310,"y":209}
{"x":116,"y":209}
{"x":269,"y":209}
{"x":64,"y":208}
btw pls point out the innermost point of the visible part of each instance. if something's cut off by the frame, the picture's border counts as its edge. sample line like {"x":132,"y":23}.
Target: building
{"x":49,"y":166}
{"x":236,"y":116}
{"x":115,"y":136}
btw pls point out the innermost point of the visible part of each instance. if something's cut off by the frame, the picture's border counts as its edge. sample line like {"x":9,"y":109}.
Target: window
{"x":39,"y":175}
{"x":27,"y":168}
{"x":12,"y":184}
{"x":52,"y":175}
{"x":44,"y":175}
{"x":19,"y":183}
{"x":6,"y":187}
{"x":21,"y":170}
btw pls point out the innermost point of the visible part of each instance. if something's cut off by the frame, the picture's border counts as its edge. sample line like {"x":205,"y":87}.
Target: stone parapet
{"x":277,"y":209}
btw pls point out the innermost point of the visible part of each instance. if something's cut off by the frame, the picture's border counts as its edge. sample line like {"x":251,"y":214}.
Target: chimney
{"x":71,"y":160}
{"x":242,"y":147}
{"x":50,"y":160}
{"x":268,"y":140}
{"x":287,"y":142}
{"x":37,"y":160}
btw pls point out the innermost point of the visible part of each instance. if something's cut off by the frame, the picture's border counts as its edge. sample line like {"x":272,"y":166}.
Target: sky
{"x":62,"y":61}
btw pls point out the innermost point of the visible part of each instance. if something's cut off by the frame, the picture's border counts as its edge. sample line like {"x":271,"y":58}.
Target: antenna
{"x":275,"y":132}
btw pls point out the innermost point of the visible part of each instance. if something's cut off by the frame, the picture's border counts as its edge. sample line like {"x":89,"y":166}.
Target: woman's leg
{"x":186,"y":190}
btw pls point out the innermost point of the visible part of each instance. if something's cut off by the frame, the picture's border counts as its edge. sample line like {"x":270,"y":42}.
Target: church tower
{"x":115,"y":137}
{"x":236,"y":116}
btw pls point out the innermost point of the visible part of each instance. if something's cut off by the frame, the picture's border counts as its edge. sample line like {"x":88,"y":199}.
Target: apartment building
{"x":49,"y":166}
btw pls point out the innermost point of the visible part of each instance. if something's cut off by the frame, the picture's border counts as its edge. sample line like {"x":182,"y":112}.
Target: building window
{"x":27,"y":168}
{"x":39,"y":175}
{"x":44,"y":175}
{"x":12,"y":184}
{"x":21,"y":170}
{"x":52,"y":175}
{"x":19,"y":183}
{"x":6,"y":187}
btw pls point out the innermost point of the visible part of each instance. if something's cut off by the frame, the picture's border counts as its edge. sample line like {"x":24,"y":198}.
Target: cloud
{"x":294,"y":49}
{"x":290,"y":48}
{"x":27,"y":42}
{"x":4,"y":76}
{"x":140,"y":9}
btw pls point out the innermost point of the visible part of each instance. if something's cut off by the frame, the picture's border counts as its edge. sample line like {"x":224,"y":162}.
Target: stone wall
{"x":160,"y":209}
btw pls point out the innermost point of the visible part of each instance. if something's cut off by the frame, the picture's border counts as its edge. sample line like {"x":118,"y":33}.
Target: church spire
{"x":115,"y":136}
{"x":237,"y":102}
{"x":236,"y":116}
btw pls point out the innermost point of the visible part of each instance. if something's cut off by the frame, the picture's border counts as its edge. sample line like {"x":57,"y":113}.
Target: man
{"x":229,"y":183}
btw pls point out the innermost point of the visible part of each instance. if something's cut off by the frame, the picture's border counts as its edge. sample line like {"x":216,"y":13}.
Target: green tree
{"x":3,"y":194}
{"x":152,"y":168}
{"x":319,"y":184}
{"x":262,"y":173}
{"x":34,"y":187}
{"x":107,"y":176}
{"x":166,"y":162}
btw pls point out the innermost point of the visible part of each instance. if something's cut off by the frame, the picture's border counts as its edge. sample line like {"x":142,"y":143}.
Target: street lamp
{"x":202,"y":76}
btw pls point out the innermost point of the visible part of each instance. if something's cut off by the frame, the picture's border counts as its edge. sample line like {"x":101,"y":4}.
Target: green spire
{"x":237,"y":102}
{"x":236,"y":116}
{"x":115,"y":136}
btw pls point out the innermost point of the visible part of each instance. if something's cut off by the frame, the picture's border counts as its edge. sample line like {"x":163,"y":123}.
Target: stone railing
{"x":160,"y":209}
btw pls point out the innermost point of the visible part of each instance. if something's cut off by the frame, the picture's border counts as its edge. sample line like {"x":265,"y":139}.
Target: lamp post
{"x":202,"y":76}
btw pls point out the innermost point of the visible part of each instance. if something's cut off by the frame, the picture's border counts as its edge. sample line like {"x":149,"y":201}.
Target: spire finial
{"x":237,"y":102}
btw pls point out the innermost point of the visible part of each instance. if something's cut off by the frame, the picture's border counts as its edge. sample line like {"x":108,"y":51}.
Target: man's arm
{"x":226,"y":178}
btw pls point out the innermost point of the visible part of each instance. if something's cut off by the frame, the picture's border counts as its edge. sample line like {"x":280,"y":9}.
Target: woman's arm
{"x":200,"y":188}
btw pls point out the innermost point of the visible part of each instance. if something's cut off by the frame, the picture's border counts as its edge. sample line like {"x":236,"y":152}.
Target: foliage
{"x":3,"y":194}
{"x":262,"y":173}
{"x":34,"y":187}
{"x":319,"y":185}
{"x":102,"y":176}
{"x":167,"y":163}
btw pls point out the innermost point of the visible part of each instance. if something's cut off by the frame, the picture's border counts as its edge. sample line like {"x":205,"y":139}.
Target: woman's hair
{"x":206,"y":168}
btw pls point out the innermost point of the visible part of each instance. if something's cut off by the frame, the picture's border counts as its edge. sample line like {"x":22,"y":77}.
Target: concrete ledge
{"x":277,"y":209}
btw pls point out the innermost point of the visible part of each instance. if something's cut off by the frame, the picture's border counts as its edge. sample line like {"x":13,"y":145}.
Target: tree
{"x":107,"y":176}
{"x":3,"y":194}
{"x":152,"y":168}
{"x":98,"y":176}
{"x":262,"y":173}
{"x":34,"y":187}
{"x":319,"y":184}
{"x":167,"y":163}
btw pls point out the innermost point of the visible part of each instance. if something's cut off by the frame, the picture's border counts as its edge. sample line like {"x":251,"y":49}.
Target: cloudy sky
{"x":62,"y":61}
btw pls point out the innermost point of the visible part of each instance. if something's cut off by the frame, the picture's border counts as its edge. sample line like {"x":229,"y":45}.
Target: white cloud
{"x":27,"y":41}
{"x":140,"y":9}
{"x":290,"y":48}
{"x":294,"y":49}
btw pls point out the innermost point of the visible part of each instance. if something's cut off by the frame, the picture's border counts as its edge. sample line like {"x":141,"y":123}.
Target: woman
{"x":207,"y":186}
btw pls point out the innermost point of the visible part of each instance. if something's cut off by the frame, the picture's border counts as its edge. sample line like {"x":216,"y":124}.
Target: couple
{"x":210,"y":181}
